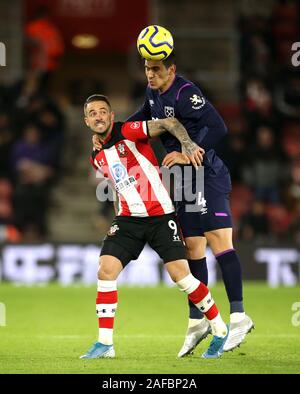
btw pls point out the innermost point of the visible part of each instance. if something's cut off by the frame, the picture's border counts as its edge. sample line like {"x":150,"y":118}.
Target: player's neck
{"x":105,"y":137}
{"x":167,"y":85}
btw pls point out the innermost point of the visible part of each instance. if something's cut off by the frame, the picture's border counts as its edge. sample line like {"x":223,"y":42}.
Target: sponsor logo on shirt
{"x":118,"y":171}
{"x":135,"y":125}
{"x":169,"y":112}
{"x":197,"y":101}
{"x":176,"y":238}
{"x":122,"y":180}
{"x":101,"y":162}
{"x":113,"y":230}
{"x":125,"y":184}
{"x":151,"y":102}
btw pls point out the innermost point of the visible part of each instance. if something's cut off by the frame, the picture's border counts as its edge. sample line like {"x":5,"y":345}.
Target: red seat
{"x":228,"y":110}
{"x":288,"y":12}
{"x":279,"y":218}
{"x":241,"y":199}
{"x":291,"y":140}
{"x":5,"y":189}
{"x":5,"y":210}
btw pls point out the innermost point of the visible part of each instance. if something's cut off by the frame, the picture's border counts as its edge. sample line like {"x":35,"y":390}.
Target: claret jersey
{"x":127,"y":159}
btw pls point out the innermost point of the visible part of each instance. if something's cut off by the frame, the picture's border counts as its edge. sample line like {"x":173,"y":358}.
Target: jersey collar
{"x":109,"y":136}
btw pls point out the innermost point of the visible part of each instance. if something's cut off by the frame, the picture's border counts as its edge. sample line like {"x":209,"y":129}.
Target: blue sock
{"x":232,"y":277}
{"x":199,"y":270}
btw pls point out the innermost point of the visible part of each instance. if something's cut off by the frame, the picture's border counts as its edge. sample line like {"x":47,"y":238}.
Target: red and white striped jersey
{"x":127,"y":159}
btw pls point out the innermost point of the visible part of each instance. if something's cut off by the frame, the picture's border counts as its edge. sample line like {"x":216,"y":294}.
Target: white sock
{"x":194,"y":322}
{"x":218,"y":326}
{"x":106,"y":309}
{"x":188,"y":284}
{"x":106,"y":336}
{"x":236,"y":317}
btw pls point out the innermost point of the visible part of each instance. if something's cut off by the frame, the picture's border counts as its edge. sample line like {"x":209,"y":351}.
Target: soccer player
{"x":169,"y":94}
{"x":146,"y":214}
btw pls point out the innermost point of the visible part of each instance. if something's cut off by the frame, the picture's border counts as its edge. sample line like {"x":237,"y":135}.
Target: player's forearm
{"x":174,"y":127}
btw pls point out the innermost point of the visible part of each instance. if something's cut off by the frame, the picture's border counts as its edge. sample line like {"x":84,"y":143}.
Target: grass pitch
{"x":48,"y":328}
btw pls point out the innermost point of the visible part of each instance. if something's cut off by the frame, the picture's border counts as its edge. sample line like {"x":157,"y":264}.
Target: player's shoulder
{"x":189,"y":93}
{"x":185,"y":88}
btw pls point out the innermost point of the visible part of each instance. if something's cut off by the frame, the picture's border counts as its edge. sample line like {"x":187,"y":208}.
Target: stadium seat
{"x":279,"y":218}
{"x":5,"y":210}
{"x":241,"y":199}
{"x":286,"y":12}
{"x":228,"y":110}
{"x":291,"y":140}
{"x":5,"y":189}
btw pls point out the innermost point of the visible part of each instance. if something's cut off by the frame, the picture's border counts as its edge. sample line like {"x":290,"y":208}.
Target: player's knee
{"x":195,"y":247}
{"x":178,"y":269}
{"x":219,"y":240}
{"x":107,"y":272}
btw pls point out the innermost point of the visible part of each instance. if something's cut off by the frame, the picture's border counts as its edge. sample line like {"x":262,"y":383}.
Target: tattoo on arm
{"x":156,"y":127}
{"x":174,"y":127}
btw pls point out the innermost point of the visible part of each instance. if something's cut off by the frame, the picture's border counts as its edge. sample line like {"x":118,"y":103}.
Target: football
{"x":155,"y":43}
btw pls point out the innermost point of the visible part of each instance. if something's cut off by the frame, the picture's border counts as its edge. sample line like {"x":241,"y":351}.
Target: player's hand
{"x":96,"y":142}
{"x":194,"y":152}
{"x":175,"y":158}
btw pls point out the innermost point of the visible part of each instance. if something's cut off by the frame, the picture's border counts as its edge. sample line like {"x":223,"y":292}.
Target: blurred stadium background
{"x":60,"y":51}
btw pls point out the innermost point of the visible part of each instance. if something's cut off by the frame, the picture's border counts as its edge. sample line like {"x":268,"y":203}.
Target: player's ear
{"x":172,"y":69}
{"x":112,"y":114}
{"x":86,"y":121}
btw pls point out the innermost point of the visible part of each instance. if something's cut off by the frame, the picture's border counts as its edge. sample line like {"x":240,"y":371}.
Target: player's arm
{"x":189,"y":148}
{"x":193,"y":105}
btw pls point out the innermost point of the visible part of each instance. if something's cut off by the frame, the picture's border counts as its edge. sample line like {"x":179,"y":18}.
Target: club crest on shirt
{"x":197,"y":101}
{"x":122,"y":151}
{"x":169,"y":112}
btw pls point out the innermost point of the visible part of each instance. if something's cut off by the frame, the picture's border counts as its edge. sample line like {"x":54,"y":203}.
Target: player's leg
{"x":220,"y":241}
{"x":198,"y":327}
{"x":114,"y":257}
{"x":164,"y":237}
{"x":106,"y":305}
{"x":192,"y":231}
{"x":200,"y":296}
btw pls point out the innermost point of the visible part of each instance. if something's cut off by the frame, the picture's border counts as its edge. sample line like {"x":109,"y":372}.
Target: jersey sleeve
{"x":135,"y":131}
{"x":191,"y":103}
{"x":194,"y":107}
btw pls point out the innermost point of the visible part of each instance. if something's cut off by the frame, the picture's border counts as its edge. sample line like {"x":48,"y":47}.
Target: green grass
{"x":48,"y":328}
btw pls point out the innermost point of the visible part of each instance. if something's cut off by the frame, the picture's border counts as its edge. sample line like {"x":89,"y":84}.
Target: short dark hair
{"x":96,"y":97}
{"x":170,"y":60}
